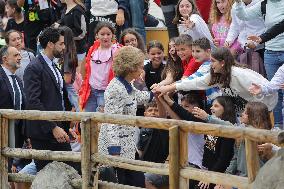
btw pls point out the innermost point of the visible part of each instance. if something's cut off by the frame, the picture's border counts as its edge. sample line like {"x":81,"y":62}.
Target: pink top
{"x":220,"y":31}
{"x":101,"y":62}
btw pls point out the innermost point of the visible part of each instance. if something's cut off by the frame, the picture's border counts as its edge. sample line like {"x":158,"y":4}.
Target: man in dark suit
{"x":12,"y":94}
{"x":45,"y":91}
{"x":11,"y":91}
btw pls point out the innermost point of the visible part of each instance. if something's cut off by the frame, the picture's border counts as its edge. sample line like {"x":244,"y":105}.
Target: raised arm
{"x":272,"y":32}
{"x":248,"y":13}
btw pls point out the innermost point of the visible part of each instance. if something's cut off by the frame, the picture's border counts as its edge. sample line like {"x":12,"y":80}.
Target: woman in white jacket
{"x":232,"y":80}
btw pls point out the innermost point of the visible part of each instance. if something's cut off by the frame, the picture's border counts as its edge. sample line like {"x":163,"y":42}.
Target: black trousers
{"x":53,"y":146}
{"x":131,"y":178}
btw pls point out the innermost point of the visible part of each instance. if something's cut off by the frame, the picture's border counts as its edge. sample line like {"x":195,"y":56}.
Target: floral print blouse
{"x":121,"y":98}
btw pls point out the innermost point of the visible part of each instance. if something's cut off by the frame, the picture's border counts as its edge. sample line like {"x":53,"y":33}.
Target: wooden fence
{"x":177,"y":169}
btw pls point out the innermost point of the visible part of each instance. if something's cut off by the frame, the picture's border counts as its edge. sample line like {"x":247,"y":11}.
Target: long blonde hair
{"x":215,"y":14}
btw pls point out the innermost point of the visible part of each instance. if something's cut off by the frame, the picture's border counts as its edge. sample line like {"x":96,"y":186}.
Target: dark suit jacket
{"x":44,"y":94}
{"x":7,"y":102}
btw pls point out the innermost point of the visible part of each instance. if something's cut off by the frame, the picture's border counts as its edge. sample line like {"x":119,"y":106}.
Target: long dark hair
{"x":224,"y":78}
{"x":258,"y":115}
{"x":229,"y":109}
{"x":174,"y":65}
{"x":140,"y":41}
{"x":70,"y":53}
{"x":103,"y":24}
{"x":178,"y":15}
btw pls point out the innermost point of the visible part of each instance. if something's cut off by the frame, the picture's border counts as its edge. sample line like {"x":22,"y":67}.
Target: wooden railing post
{"x":94,"y":149}
{"x":174,"y":157}
{"x":252,"y":159}
{"x":4,"y":184}
{"x":86,"y":154}
{"x":183,"y":157}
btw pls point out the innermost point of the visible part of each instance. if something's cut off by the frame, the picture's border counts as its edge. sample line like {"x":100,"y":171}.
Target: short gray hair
{"x":3,"y":52}
{"x":127,"y":60}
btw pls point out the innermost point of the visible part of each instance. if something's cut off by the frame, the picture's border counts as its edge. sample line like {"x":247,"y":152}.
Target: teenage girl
{"x":131,"y":37}
{"x":256,"y":114}
{"x":70,"y":63}
{"x":14,"y":12}
{"x":189,"y":22}
{"x":220,"y":19}
{"x":231,"y":79}
{"x":173,"y":70}
{"x":74,"y":17}
{"x":223,"y":112}
{"x":153,"y":69}
{"x":98,"y":68}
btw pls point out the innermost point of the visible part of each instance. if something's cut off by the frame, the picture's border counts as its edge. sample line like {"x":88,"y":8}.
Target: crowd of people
{"x":223,"y":66}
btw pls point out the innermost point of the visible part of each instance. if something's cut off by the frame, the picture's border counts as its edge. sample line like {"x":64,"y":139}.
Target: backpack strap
{"x":263,"y":8}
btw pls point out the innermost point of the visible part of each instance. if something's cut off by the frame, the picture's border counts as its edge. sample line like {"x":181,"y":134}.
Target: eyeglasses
{"x":130,"y":41}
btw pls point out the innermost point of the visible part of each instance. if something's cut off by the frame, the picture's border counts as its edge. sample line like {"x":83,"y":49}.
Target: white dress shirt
{"x":9,"y":73}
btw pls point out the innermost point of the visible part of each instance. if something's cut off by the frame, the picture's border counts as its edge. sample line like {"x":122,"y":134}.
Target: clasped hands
{"x":61,"y":136}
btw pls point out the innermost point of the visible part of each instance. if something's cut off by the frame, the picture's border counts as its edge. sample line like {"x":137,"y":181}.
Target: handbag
{"x":252,"y":60}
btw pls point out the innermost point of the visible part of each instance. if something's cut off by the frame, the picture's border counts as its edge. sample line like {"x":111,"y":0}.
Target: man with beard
{"x":45,"y":91}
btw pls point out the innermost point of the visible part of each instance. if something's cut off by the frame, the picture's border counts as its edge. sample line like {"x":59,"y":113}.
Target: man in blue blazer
{"x":45,"y":91}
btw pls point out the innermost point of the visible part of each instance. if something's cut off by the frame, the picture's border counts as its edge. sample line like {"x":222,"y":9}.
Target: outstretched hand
{"x":251,"y":44}
{"x":155,"y":85}
{"x":60,"y":135}
{"x":199,"y":113}
{"x":255,"y":89}
{"x":254,"y":38}
{"x":162,"y":90}
{"x":186,"y":22}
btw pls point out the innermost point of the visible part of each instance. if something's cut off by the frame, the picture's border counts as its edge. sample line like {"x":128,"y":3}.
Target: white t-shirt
{"x":103,"y":7}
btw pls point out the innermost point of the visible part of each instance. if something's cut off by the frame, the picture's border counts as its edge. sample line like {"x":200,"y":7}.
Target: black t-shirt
{"x":12,"y":25}
{"x":68,"y":67}
{"x":34,"y":23}
{"x":75,"y":19}
{"x":152,"y":75}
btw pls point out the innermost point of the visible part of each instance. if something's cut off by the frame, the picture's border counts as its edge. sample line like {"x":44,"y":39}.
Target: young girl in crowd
{"x":153,"y":69}
{"x":14,"y":12}
{"x":230,"y":79}
{"x":172,"y":49}
{"x":69,"y":65}
{"x":256,"y":114}
{"x":98,"y":68}
{"x":220,"y":19}
{"x":189,"y":22}
{"x":131,"y":37}
{"x":223,"y":112}
{"x":276,"y":83}
{"x":173,"y":70}
{"x":74,"y":17}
